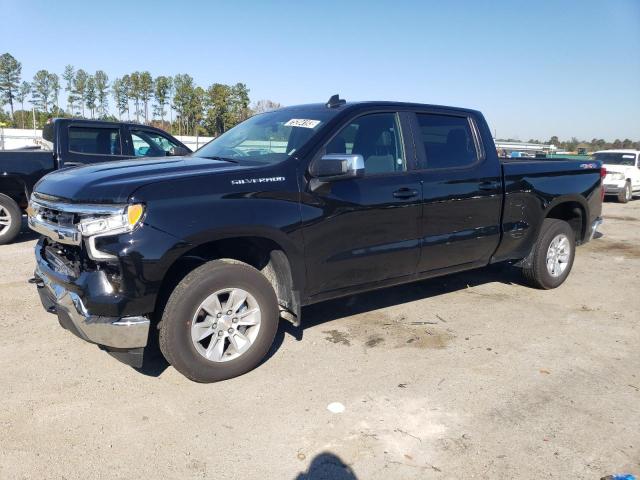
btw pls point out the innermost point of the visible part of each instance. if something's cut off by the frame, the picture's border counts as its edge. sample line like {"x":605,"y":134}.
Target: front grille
{"x":59,"y":220}
{"x":57,"y":217}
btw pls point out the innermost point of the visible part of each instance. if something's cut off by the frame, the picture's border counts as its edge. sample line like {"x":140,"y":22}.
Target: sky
{"x":534,"y":68}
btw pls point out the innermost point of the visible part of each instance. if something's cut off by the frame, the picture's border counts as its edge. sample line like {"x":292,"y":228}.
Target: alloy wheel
{"x":5,"y":220}
{"x":225,"y":325}
{"x":558,"y":255}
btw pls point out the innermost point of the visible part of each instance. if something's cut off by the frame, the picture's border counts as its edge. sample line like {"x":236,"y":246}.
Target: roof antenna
{"x":335,"y":101}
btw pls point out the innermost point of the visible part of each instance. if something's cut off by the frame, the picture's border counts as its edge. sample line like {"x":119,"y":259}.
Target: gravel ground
{"x":468,"y":376}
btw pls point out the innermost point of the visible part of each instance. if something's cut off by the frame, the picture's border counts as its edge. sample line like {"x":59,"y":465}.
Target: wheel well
{"x":572,"y":213}
{"x":20,"y":204}
{"x":261,"y":253}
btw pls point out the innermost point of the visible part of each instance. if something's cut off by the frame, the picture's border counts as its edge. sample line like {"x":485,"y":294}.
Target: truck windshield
{"x":624,"y":159}
{"x":267,"y":137}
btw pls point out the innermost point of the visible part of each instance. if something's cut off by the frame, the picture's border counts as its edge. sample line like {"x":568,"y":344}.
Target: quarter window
{"x":377,"y":138}
{"x":97,"y":141}
{"x":447,"y":140}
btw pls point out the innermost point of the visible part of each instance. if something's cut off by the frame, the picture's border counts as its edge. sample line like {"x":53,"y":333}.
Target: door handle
{"x":405,"y":193}
{"x":489,"y":186}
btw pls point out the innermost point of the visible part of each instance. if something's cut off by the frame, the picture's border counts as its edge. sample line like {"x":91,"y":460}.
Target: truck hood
{"x":114,"y":182}
{"x":612,"y":168}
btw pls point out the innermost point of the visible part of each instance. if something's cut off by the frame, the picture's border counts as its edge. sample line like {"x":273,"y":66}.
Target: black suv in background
{"x":289,"y":208}
{"x":70,"y":143}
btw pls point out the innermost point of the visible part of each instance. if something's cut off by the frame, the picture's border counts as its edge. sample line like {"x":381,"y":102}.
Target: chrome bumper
{"x":124,"y":333}
{"x":66,"y":235}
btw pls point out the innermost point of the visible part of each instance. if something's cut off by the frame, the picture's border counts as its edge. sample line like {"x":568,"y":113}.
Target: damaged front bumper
{"x":122,"y":337}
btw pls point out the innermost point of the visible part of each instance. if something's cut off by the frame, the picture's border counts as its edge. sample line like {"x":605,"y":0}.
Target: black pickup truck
{"x":69,"y":143}
{"x":290,"y":208}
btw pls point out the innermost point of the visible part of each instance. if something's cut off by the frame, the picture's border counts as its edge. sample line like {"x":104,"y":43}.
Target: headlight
{"x":616,"y":176}
{"x":122,"y":222}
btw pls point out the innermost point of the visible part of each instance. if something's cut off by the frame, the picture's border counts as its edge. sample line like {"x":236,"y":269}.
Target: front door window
{"x":377,"y":138}
{"x":151,"y":144}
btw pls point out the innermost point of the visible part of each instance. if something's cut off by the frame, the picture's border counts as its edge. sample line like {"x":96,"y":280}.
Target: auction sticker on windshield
{"x":302,"y":122}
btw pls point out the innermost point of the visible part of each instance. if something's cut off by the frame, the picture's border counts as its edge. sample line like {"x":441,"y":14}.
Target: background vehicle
{"x":289,"y":208}
{"x":623,"y":173}
{"x":68,"y":143}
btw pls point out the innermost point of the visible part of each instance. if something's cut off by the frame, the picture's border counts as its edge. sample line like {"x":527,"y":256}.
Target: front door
{"x":364,"y":230}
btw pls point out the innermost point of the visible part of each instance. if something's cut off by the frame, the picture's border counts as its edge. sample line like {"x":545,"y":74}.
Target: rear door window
{"x":95,"y":141}
{"x":447,"y":140}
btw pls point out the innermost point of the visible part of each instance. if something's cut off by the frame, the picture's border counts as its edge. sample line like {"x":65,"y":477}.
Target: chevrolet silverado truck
{"x":67,"y":143}
{"x":623,"y":173}
{"x":290,"y":208}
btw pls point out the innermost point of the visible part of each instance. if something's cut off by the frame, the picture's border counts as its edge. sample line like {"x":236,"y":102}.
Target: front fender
{"x":194,"y":211}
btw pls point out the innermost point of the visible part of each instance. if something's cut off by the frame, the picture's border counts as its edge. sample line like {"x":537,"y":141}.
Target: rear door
{"x":364,"y":230}
{"x":462,"y":192}
{"x":91,"y":143}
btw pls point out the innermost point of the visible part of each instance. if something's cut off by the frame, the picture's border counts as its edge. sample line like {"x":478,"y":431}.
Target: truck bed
{"x":21,"y":169}
{"x":26,"y":160}
{"x":534,"y":185}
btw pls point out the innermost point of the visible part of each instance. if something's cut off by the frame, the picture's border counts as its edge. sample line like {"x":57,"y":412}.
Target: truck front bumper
{"x":123,"y":337}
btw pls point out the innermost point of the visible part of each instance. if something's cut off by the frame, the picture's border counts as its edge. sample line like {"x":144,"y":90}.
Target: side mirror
{"x":336,"y":166}
{"x":178,"y":151}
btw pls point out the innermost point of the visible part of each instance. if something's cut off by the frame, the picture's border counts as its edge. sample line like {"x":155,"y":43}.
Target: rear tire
{"x":10,"y":219}
{"x":200,"y":304}
{"x":551,"y":259}
{"x":626,"y":193}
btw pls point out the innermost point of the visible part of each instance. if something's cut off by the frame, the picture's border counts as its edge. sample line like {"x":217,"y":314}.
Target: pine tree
{"x":80,"y":87}
{"x":69,"y":77}
{"x":21,"y":96}
{"x":90,"y":95}
{"x":161,"y":93}
{"x":102,"y":91}
{"x":10,"y":71}
{"x":41,"y":90}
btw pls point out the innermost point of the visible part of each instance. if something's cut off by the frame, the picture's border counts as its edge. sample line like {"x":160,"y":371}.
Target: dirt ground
{"x":468,"y":376}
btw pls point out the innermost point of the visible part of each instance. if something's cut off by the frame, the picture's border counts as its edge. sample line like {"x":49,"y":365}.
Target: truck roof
{"x":377,"y":103}
{"x":96,"y":122}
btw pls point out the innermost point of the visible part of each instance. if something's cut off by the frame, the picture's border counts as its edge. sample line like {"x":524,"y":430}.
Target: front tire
{"x":10,"y":220}
{"x":626,"y":193}
{"x":551,"y":259}
{"x":219,"y":322}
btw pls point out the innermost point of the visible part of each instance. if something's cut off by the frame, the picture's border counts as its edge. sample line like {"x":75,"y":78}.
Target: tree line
{"x":174,"y":103}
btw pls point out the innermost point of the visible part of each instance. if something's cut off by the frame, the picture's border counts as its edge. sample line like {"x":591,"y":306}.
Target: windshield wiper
{"x":224,"y":159}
